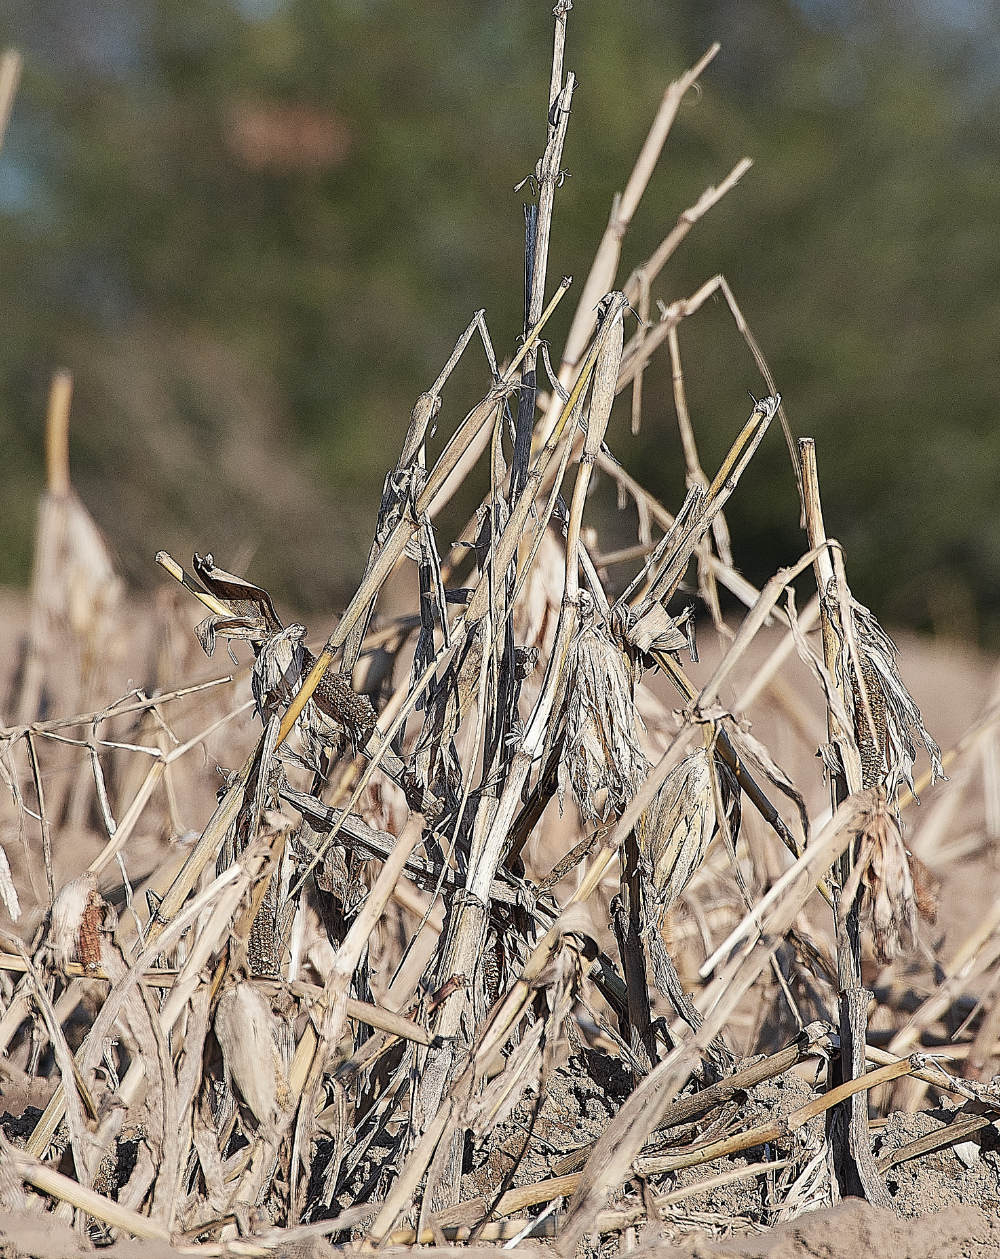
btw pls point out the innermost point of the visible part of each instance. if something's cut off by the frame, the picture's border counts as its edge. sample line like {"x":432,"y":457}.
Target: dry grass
{"x":447,"y":858}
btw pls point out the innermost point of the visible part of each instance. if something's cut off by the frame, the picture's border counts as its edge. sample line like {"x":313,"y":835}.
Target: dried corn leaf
{"x":656,"y":630}
{"x":676,"y":829}
{"x":884,"y":872}
{"x":245,"y":599}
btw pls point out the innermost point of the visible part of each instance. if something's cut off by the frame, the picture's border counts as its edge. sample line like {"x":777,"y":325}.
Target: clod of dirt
{"x":32,"y":1235}
{"x":940,"y":1178}
{"x":852,"y":1230}
{"x":581,"y":1097}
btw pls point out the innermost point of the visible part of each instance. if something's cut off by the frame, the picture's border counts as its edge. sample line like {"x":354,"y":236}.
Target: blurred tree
{"x":255,"y":228}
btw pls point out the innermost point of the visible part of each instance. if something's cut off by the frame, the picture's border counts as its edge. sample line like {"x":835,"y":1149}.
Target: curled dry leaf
{"x":895,"y":887}
{"x":656,"y":630}
{"x":282,"y":661}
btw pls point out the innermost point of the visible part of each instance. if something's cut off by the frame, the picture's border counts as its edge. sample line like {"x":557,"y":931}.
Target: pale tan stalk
{"x":754,"y":621}
{"x":483,"y":864}
{"x":688,"y":218}
{"x":637,"y":354}
{"x":10,"y":77}
{"x":605,"y":265}
{"x":734,"y":582}
{"x":87,"y":719}
{"x":204,"y":851}
{"x":356,"y":940}
{"x":57,"y":431}
{"x":852,"y":1151}
{"x":47,"y":1180}
{"x":227,"y":889}
{"x":762,"y":678}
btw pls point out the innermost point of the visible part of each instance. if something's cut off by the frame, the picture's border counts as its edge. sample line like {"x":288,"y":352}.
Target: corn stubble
{"x":321,"y":1010}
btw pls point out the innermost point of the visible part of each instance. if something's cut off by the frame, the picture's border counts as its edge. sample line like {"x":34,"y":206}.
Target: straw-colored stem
{"x":777,"y":1129}
{"x":942,"y":1139}
{"x":57,"y":478}
{"x":10,"y":77}
{"x":167,"y":562}
{"x":639,"y":352}
{"x":128,"y":822}
{"x":688,"y":218}
{"x":426,"y":408}
{"x":205,"y":850}
{"x":641,"y":347}
{"x":48,"y":1181}
{"x":734,"y":582}
{"x":605,"y":265}
{"x":113,"y":710}
{"x":44,"y":821}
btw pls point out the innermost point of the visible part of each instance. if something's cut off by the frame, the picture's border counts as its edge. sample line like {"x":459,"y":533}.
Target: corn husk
{"x":70,"y":919}
{"x":603,"y":759}
{"x":8,"y":891}
{"x":676,"y":829}
{"x":250,"y":1038}
{"x":886,"y":742}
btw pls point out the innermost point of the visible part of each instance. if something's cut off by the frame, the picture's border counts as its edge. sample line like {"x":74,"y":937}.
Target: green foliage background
{"x":248,"y":339}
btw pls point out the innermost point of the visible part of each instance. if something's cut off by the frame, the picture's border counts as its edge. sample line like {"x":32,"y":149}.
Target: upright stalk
{"x":462,"y":948}
{"x":539,"y":221}
{"x":849,"y":1123}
